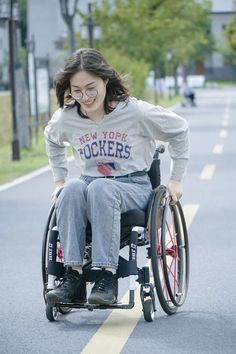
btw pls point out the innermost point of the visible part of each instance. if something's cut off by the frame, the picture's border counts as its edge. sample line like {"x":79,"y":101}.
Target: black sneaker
{"x":105,"y":289}
{"x":71,"y":289}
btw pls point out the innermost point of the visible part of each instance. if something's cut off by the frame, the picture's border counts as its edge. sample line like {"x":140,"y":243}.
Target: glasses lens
{"x":91,"y":92}
{"x":77,"y":95}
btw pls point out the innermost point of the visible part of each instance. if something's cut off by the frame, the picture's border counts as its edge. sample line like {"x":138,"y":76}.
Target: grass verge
{"x":31,"y":159}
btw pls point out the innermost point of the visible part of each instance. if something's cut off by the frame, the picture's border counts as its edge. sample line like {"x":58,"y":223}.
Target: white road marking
{"x":218,"y":148}
{"x":24,"y":178}
{"x":225,"y":123}
{"x":223,"y":133}
{"x":226,"y":116}
{"x":113,"y":334}
{"x":28,"y":176}
{"x":207,"y":172}
{"x":190,"y":211}
{"x":226,"y":111}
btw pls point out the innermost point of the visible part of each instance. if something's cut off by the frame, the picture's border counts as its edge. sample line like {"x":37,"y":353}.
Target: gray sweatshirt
{"x":123,"y":142}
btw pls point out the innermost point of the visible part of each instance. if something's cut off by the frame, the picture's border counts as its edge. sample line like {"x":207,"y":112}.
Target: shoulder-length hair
{"x":92,"y":61}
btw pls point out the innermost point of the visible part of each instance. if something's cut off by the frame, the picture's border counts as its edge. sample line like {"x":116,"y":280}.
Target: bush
{"x":137,"y":71}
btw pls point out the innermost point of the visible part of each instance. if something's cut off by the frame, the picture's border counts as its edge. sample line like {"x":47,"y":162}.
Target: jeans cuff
{"x":104,"y":265}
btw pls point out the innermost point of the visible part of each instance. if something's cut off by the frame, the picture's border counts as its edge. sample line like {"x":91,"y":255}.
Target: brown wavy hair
{"x":92,"y":61}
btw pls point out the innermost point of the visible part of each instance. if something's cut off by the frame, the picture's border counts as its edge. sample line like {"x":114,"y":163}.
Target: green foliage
{"x":230,"y":33}
{"x":5,"y":119}
{"x":136,"y":70}
{"x":150,"y":29}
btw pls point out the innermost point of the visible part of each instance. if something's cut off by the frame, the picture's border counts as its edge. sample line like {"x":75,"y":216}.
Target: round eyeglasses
{"x":78,"y":95}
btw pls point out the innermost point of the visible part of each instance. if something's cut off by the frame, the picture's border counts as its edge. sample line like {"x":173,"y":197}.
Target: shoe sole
{"x":52,"y":299}
{"x":99,"y":301}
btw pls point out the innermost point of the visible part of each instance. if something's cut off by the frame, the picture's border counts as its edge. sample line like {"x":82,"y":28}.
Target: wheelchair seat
{"x":135,"y":217}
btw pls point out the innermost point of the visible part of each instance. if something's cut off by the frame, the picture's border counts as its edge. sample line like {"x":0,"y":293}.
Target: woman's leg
{"x":106,"y":200}
{"x":71,"y":213}
{"x":71,"y":210}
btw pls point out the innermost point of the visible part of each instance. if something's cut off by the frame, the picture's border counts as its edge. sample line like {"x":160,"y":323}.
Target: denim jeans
{"x":101,"y":201}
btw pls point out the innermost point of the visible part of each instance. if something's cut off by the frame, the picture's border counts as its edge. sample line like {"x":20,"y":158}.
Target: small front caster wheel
{"x":51,"y":312}
{"x":64,"y":310}
{"x":148,"y":310}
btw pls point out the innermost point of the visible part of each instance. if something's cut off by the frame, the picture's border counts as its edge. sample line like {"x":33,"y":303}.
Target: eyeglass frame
{"x":82,"y":94}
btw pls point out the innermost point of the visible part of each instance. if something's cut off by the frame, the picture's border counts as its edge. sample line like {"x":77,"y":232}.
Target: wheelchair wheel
{"x":51,"y":221}
{"x":148,"y":310}
{"x":51,"y":312}
{"x":175,"y":254}
{"x":169,"y":252}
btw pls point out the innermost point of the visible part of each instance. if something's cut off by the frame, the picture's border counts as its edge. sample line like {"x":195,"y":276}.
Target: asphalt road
{"x":207,"y":321}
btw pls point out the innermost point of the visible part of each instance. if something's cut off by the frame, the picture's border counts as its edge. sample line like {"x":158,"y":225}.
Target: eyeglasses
{"x":78,"y":95}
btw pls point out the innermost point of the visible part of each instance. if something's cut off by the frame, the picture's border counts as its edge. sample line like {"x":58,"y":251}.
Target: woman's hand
{"x":175,"y":190}
{"x":58,"y":186}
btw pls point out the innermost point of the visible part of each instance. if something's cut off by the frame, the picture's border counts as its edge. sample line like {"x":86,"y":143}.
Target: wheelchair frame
{"x":162,"y":229}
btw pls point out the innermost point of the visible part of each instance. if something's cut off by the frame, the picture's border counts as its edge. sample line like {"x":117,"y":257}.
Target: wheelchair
{"x":161,"y":229}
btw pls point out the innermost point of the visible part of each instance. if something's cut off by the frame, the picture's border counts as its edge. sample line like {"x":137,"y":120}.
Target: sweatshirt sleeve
{"x":165,"y":125}
{"x":55,"y":148}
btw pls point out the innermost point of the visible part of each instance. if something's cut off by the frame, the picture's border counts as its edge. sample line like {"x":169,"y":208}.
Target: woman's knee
{"x":73,"y":189}
{"x":99,"y":188}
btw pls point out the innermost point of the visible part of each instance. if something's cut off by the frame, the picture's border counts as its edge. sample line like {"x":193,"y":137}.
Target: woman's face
{"x":90,"y":91}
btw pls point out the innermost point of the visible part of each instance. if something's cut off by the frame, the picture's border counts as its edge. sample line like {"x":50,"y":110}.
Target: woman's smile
{"x":85,"y":82}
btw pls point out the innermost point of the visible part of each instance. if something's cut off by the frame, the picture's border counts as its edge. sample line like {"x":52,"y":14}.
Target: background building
{"x":215,"y":66}
{"x":46,"y":26}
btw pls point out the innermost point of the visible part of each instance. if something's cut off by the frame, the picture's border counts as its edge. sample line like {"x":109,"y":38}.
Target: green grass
{"x":162,"y":100}
{"x":5,"y":119}
{"x":35,"y":157}
{"x":223,"y":83}
{"x":31,"y":159}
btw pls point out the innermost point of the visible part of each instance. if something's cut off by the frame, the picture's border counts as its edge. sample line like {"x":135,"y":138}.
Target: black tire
{"x":64,"y":310}
{"x":51,"y":312}
{"x":50,"y":221}
{"x":175,"y":253}
{"x":148,"y":310}
{"x":156,"y":222}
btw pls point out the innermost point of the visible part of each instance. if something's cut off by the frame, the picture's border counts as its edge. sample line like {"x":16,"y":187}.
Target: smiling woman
{"x":113,"y":136}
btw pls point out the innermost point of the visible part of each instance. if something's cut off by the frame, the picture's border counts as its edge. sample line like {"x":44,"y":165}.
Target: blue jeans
{"x":101,"y":201}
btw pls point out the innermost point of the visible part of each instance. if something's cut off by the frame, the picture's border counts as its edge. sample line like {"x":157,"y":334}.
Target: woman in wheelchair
{"x":113,"y":136}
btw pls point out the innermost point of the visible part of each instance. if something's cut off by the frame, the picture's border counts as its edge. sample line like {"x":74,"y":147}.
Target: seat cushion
{"x":131,"y":218}
{"x":134,"y":217}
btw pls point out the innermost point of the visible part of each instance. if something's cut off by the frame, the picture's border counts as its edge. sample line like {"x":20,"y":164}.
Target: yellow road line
{"x":111,"y":337}
{"x":207,"y":172}
{"x":218,"y":148}
{"x":113,"y":334}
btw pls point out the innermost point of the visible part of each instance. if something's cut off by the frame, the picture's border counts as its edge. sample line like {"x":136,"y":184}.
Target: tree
{"x":149,"y":29}
{"x":68,"y":12}
{"x":230,"y":32}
